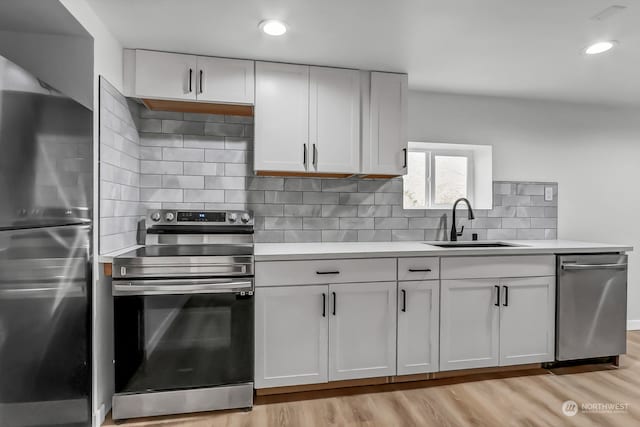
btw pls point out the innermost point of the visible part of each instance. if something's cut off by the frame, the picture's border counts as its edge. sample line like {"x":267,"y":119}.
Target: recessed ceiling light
{"x":600,"y":47}
{"x":273,"y":27}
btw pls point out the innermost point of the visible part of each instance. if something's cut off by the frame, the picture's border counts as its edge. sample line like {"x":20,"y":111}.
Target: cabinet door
{"x":527,"y":320}
{"x":385,"y":150}
{"x":165,"y":75}
{"x":334,"y":120}
{"x":282,"y":117}
{"x":469,"y":330}
{"x":225,"y":80}
{"x":291,"y":335}
{"x":362,"y":330}
{"x":418,"y":327}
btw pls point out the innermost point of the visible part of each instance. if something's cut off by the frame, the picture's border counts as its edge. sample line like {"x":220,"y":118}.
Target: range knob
{"x":169,"y":216}
{"x":155,"y":216}
{"x":233,"y":217}
{"x":245,"y":217}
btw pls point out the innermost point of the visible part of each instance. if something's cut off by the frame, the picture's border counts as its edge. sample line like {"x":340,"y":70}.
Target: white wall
{"x":593,"y":152}
{"x":107,"y":49}
{"x":107,"y":63}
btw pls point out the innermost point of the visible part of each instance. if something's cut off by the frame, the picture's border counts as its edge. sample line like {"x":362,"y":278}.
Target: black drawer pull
{"x":327,"y":272}
{"x":497,"y":304}
{"x":420,"y":270}
{"x":404,"y":300}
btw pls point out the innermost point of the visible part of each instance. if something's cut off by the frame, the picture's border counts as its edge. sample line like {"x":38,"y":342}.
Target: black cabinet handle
{"x":327,"y":272}
{"x":304,"y":154}
{"x":419,"y":270}
{"x":334,"y":303}
{"x":201,"y":89}
{"x":190,"y":78}
{"x":506,"y":296}
{"x":324,"y":305}
{"x":404,"y":300}
{"x":497,"y":304}
{"x":404,"y":164}
{"x":315,"y":156}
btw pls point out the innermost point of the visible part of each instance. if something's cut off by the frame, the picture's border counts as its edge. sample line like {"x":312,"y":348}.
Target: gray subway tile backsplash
{"x":206,"y":196}
{"x":204,"y":161}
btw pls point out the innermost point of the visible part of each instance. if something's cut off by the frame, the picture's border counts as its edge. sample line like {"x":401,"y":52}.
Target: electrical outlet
{"x":548,"y":194}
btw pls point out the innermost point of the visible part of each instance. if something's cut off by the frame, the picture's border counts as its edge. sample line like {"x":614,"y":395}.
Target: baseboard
{"x":99,"y":416}
{"x":633,"y":325}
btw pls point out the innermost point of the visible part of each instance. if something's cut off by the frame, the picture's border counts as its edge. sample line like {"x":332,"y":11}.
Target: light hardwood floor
{"x":484,"y":400}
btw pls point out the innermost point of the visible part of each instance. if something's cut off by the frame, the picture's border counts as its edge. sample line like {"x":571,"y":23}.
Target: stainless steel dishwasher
{"x":591,"y":310}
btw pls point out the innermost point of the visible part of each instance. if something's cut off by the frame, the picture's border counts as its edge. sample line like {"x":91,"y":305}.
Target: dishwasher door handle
{"x":594,"y":266}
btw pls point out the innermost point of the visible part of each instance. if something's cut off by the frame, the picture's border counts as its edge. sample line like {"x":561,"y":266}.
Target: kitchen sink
{"x":472,"y":244}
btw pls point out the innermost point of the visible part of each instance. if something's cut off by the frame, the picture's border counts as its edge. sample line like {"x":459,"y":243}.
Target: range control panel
{"x":176,"y":217}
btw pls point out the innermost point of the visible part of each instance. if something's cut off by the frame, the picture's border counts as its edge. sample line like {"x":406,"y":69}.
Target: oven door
{"x":182,"y":334}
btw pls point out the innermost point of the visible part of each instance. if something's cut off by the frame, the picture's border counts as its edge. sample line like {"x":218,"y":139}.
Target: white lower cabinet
{"x":527,"y":320}
{"x":418,"y":326}
{"x":319,"y":333}
{"x":362,"y":330}
{"x":497,"y":322}
{"x":470,"y":324}
{"x":291,"y":335}
{"x":352,"y":326}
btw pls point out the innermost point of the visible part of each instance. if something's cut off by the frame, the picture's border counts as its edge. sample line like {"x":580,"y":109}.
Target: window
{"x":415,"y":185}
{"x":451,"y":174}
{"x":439,"y":174}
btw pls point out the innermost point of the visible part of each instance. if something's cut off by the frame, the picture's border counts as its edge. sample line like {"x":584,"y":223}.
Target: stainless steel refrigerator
{"x":46,"y":184}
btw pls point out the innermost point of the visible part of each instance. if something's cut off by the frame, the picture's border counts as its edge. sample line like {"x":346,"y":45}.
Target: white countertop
{"x":300,"y":251}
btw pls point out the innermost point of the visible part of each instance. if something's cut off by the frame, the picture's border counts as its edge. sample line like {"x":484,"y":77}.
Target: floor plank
{"x":502,"y":400}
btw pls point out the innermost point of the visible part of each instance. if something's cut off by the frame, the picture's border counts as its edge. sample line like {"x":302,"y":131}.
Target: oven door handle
{"x":180,"y":287}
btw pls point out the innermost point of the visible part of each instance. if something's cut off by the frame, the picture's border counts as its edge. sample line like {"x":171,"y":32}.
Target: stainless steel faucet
{"x":454,"y":232}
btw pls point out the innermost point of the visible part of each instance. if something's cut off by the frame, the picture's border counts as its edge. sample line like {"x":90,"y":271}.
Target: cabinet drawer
{"x":498,"y":266}
{"x":420,"y":268}
{"x":278,"y":273}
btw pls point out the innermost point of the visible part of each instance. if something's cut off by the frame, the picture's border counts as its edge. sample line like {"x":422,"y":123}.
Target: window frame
{"x":430,"y":156}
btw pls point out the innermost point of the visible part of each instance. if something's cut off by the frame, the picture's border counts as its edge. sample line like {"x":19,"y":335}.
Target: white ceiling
{"x":519,"y":48}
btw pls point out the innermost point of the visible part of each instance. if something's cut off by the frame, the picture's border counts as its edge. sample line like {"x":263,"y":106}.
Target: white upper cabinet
{"x":282,"y":118}
{"x":223,"y":80}
{"x":291,"y":335}
{"x":527,"y":320}
{"x":334,"y":120}
{"x":165,"y":75}
{"x":362,"y":330}
{"x":307,"y":119}
{"x":418,"y":326}
{"x":384,"y":150}
{"x":174,"y":76}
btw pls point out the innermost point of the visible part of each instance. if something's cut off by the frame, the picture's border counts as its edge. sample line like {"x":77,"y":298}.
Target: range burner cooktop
{"x":191,"y":244}
{"x":189,"y":251}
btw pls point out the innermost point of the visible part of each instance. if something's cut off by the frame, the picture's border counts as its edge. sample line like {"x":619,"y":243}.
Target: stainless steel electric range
{"x":183,"y":315}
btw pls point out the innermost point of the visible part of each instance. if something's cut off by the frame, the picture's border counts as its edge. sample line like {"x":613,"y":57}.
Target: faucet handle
{"x":459,"y":233}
